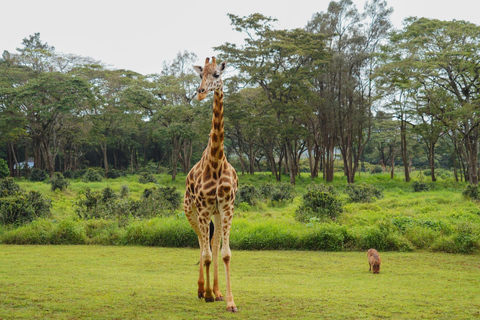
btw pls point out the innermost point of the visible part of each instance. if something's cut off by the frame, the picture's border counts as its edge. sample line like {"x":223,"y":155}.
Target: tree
{"x":281,"y":62}
{"x":345,"y":86}
{"x":444,"y":57}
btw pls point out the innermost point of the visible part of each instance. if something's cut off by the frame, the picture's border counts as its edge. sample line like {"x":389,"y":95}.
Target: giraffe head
{"x":210,"y":75}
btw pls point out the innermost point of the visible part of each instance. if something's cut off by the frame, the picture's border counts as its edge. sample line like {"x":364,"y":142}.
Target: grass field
{"x":104,"y":282}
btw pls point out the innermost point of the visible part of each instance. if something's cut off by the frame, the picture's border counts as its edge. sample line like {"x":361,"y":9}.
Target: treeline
{"x":347,"y":91}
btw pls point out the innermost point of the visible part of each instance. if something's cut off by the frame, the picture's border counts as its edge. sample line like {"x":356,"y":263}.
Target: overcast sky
{"x":140,"y":35}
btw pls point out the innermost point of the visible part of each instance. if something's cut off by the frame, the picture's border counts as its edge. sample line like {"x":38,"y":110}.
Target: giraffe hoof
{"x":200,"y":295}
{"x":209,"y":299}
{"x":232,"y":309}
{"x":219,"y":298}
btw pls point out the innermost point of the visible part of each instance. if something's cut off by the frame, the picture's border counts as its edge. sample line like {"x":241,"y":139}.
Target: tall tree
{"x":281,"y":62}
{"x":346,"y":84}
{"x":444,"y":56}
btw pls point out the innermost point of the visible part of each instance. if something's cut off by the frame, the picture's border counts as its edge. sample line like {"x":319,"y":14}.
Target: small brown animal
{"x":374,"y":260}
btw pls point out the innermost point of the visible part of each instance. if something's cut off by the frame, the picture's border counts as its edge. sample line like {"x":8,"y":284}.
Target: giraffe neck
{"x":217,"y":133}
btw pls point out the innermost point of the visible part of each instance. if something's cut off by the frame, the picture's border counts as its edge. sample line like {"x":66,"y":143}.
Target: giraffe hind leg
{"x":192,"y":217}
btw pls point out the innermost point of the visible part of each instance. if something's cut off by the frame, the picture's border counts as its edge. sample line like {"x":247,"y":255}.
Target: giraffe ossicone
{"x":211,"y":186}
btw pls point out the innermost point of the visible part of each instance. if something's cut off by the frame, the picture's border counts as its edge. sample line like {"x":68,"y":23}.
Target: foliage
{"x":363,"y":192}
{"x":68,"y":174}
{"x":146,"y":177}
{"x":377,"y":169}
{"x":38,"y":174}
{"x":114,"y":174}
{"x":471,"y":192}
{"x":320,"y":202}
{"x":247,"y":193}
{"x":92,"y":175}
{"x":283,"y":192}
{"x":22,"y":207}
{"x":4,"y":172}
{"x":106,"y":204}
{"x":8,"y":187}
{"x":58,"y":182}
{"x":419,"y":186}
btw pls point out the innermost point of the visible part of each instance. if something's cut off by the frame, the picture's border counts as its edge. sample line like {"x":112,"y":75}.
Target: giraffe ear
{"x":199,"y":70}
{"x":223,"y":65}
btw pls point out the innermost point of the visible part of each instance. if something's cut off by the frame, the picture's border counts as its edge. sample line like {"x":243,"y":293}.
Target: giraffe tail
{"x":212,"y":229}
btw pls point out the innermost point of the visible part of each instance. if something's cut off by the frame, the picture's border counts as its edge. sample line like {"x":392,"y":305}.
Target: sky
{"x":141,"y":35}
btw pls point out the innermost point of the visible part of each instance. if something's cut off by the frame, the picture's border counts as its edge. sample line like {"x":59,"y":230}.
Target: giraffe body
{"x":210,"y":193}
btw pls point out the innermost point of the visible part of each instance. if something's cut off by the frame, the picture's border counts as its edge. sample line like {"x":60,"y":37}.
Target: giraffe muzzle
{"x":201,"y":94}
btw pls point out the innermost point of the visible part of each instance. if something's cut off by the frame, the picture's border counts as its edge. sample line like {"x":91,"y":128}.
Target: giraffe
{"x":210,"y":192}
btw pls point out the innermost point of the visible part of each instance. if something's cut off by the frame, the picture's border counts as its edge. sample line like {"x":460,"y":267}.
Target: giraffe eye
{"x":216,"y":75}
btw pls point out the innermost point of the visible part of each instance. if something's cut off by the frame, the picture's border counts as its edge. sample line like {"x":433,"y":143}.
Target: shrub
{"x":8,"y":187}
{"x":162,"y":200}
{"x":108,"y":194}
{"x":79,"y":173}
{"x":319,"y":202}
{"x":266,"y":190}
{"x":22,"y":208}
{"x":325,"y":237}
{"x":419,"y":186}
{"x":92,"y":175}
{"x":247,"y":193}
{"x":283,"y":192}
{"x":38,"y":175}
{"x":114,"y":174}
{"x":377,"y":169}
{"x":106,"y":204}
{"x":363,"y":192}
{"x":68,"y":174}
{"x":124,"y":191}
{"x":471,"y":192}
{"x":58,"y":182}
{"x":146,"y":177}
{"x":4,"y":172}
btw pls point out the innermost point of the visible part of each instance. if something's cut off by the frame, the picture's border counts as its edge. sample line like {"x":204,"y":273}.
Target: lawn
{"x":108,"y":282}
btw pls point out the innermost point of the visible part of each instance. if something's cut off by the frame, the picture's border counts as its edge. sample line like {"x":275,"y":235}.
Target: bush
{"x":325,"y":237}
{"x":68,"y":174}
{"x":38,"y":175}
{"x":363,"y":192}
{"x":471,"y":192}
{"x":106,"y":204}
{"x":377,"y":169}
{"x":247,"y":193}
{"x":8,"y":187}
{"x":319,"y":202}
{"x":47,"y":232}
{"x":58,"y":182}
{"x":22,"y":208}
{"x":92,"y":175}
{"x":419,"y":186}
{"x":124,"y":191}
{"x":4,"y":172}
{"x":78,"y":174}
{"x":146,"y":177}
{"x":283,"y":192}
{"x":114,"y":174}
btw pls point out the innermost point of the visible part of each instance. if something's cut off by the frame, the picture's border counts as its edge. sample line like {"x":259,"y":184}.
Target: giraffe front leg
{"x":215,"y":248}
{"x":204,"y":225}
{"x":227,"y":255}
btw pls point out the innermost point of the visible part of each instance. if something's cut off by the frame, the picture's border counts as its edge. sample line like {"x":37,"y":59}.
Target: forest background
{"x":346,"y":88}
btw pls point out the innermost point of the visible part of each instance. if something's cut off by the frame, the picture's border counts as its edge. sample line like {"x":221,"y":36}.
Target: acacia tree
{"x":345,"y":85}
{"x":281,"y":62}
{"x":49,"y":102}
{"x":175,"y":90}
{"x":446,"y":62}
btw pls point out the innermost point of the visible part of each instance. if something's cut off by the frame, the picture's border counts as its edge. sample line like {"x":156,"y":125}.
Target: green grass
{"x":97,"y":282}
